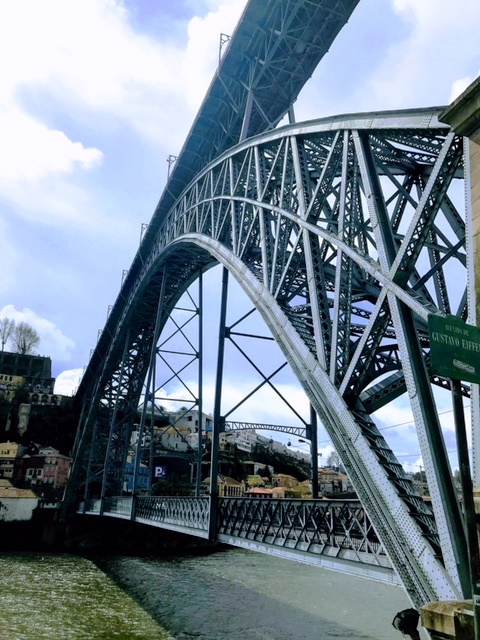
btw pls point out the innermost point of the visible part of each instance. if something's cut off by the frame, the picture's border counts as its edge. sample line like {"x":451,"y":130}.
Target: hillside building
{"x":16,"y":504}
{"x":46,"y":468}
{"x":10,"y":452}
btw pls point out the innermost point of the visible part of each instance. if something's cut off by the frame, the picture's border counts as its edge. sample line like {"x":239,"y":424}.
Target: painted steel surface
{"x":333,"y":533}
{"x":345,"y":235}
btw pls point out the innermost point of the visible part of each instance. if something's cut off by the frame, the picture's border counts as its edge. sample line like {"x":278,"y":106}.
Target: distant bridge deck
{"x":334,"y":534}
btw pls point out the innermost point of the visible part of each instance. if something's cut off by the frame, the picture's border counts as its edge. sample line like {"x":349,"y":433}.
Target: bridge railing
{"x":90,"y":506}
{"x":322,"y":527}
{"x":120,"y":506}
{"x":327,"y":528}
{"x":187,"y":511}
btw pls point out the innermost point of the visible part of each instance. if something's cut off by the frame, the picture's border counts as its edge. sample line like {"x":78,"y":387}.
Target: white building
{"x":16,"y":504}
{"x":182,"y":433}
{"x":188,"y":419}
{"x":243,"y":440}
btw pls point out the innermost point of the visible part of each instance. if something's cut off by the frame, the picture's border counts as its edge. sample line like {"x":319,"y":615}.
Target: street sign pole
{"x":468,"y":501}
{"x":455,"y":354}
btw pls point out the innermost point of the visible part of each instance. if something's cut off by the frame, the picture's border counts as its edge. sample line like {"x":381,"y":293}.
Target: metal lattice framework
{"x":345,"y":235}
{"x":328,"y":533}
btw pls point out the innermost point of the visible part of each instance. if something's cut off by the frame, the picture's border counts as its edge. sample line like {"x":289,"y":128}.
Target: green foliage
{"x":281,"y":462}
{"x":265,"y":473}
{"x":174,"y":485}
{"x":52,"y":426}
{"x":47,"y":425}
{"x":9,"y":411}
{"x":255,"y":481}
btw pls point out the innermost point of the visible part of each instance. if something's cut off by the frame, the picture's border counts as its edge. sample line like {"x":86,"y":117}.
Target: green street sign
{"x":454,"y":348}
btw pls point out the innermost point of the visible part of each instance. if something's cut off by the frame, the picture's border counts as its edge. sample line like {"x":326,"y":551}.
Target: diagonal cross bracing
{"x":346,"y":287}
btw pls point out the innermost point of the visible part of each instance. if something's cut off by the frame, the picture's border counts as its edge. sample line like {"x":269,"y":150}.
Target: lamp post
{"x":314,"y":468}
{"x":311,"y":432}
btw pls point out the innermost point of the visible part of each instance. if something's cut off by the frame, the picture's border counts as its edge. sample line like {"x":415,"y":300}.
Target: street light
{"x":319,"y":454}
{"x":314,"y":464}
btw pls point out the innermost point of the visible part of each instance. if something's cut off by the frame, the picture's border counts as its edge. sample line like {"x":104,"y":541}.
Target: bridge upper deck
{"x":271,"y":55}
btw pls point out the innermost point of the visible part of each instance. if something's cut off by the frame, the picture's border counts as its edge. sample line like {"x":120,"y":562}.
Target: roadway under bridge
{"x":346,"y":234}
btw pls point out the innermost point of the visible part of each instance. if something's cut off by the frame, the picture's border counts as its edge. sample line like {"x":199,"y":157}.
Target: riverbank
{"x":234,"y":594}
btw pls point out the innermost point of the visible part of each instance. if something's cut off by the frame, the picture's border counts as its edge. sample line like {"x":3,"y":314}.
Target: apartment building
{"x":10,"y":452}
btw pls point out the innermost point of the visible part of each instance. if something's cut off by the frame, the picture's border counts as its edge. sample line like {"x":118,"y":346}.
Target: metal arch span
{"x":270,"y":56}
{"x":345,"y":234}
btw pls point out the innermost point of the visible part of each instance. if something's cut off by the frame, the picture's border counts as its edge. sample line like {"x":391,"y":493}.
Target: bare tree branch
{"x":25,"y":338}
{"x":7,"y":327}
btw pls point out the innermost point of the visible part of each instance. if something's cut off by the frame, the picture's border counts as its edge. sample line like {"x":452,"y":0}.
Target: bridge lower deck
{"x":334,"y":534}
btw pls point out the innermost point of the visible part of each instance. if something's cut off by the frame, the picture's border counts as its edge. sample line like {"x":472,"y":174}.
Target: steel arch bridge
{"x":346,"y":234}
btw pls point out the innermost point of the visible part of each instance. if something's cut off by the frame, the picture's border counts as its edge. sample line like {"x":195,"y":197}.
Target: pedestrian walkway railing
{"x":192,"y":512}
{"x":333,"y":533}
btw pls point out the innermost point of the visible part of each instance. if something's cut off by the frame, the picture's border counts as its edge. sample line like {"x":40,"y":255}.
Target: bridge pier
{"x":449,"y":620}
{"x":103,"y":534}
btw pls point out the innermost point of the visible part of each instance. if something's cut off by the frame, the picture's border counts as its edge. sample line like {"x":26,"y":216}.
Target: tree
{"x":25,"y":338}
{"x":175,"y":485}
{"x":333,"y":460}
{"x":7,"y":327}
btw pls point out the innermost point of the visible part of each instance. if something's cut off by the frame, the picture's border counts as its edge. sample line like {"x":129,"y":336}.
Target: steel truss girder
{"x":290,"y":214}
{"x":298,"y":431}
{"x":329,"y":527}
{"x":333,"y":533}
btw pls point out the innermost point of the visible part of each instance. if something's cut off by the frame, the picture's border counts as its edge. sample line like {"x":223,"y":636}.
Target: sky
{"x":96,"y":94}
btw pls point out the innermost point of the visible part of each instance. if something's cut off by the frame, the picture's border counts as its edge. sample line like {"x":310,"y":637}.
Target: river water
{"x":226,"y":595}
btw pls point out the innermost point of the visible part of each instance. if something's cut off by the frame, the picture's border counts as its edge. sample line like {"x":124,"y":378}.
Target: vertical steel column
{"x":314,"y":450}
{"x":291,"y":114}
{"x":432,"y":444}
{"x":468,"y":502}
{"x":113,"y":418}
{"x":217,"y":419}
{"x":89,"y":467}
{"x":200,"y":385}
{"x":150,"y":382}
{"x":246,"y":116}
{"x":472,"y":308}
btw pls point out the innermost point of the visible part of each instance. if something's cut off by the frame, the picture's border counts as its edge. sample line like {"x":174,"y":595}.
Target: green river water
{"x":66,"y":597}
{"x":231,"y":594}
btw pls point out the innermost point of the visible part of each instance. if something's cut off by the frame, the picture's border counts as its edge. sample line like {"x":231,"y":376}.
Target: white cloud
{"x":459,"y":87}
{"x":53,"y":342}
{"x":66,"y":384}
{"x":396,"y":416}
{"x":442,"y":41}
{"x":10,"y":260}
{"x":33,"y":39}
{"x":86,"y":60}
{"x":201,"y":57}
{"x":265,"y":406}
{"x":31,"y":151}
{"x":412,"y":466}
